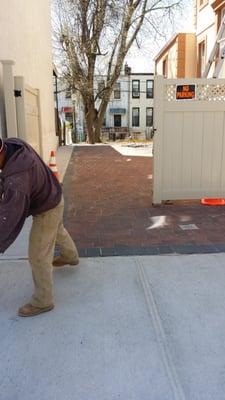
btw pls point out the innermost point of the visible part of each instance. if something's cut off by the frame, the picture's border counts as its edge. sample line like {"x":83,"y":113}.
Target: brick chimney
{"x":127,"y":69}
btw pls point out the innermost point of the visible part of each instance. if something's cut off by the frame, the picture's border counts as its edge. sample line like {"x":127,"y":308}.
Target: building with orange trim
{"x":177,"y":59}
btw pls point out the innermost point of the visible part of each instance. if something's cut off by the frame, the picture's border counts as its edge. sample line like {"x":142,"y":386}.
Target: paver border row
{"x":151,"y":250}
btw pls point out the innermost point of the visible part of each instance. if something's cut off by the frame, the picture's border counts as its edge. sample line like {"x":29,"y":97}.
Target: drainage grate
{"x":188,"y":227}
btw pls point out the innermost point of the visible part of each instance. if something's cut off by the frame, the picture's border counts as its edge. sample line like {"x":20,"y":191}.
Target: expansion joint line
{"x":160,"y":334}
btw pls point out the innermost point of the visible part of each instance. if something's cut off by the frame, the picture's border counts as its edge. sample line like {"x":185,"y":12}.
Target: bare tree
{"x":97,"y":35}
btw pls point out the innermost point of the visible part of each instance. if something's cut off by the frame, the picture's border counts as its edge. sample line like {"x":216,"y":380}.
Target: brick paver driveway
{"x":109,"y":209}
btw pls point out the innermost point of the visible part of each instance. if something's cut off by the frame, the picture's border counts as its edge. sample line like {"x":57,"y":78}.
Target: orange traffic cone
{"x":52,"y":164}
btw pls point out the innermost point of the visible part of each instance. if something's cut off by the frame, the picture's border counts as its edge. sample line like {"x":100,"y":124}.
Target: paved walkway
{"x":109,"y":209}
{"x":134,"y":328}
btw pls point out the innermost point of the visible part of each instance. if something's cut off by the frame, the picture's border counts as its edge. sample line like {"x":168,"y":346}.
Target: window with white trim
{"x":136,"y":89}
{"x":117,"y":91}
{"x":135,"y":116}
{"x":149,"y":116}
{"x":149,"y":89}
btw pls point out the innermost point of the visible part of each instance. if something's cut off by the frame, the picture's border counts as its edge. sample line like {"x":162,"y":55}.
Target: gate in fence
{"x":189,"y":143}
{"x":22,"y":108}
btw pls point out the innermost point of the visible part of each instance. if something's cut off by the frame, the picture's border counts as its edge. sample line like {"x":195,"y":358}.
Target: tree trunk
{"x":90,"y":116}
{"x":100,"y":118}
{"x":90,"y":131}
{"x":98,"y":126}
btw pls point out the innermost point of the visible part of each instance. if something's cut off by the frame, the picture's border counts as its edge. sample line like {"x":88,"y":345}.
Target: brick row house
{"x":130,"y":106}
{"x":130,"y":109}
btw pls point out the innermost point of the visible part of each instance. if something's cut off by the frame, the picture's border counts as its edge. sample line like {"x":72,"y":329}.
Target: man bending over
{"x":28,"y":187}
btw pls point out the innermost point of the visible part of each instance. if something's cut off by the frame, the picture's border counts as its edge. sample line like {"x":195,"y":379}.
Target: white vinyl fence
{"x":189,"y":142}
{"x":22,"y":108}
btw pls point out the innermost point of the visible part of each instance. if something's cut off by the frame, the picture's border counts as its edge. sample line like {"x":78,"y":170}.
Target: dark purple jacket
{"x":27,"y":187}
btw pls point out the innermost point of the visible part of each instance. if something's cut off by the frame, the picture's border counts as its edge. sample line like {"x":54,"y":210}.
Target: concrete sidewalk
{"x":134,"y":328}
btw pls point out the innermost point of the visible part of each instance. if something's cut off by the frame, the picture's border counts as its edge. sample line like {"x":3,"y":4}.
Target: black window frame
{"x":118,"y":90}
{"x":137,"y":96}
{"x":149,"y":91}
{"x":138,"y":116}
{"x":68,"y":94}
{"x":147,"y":116}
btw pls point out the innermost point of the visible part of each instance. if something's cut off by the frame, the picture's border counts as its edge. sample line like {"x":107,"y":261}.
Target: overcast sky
{"x":142,"y":60}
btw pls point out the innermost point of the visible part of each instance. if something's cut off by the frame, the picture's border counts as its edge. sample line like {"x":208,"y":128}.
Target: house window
{"x":149,"y":116}
{"x":149,"y":89}
{"x":117,"y":91}
{"x":165,"y":67}
{"x":68,"y":94}
{"x":201,"y":57}
{"x":202,"y":3}
{"x":101,"y":87}
{"x":136,"y":89}
{"x":135,"y":116}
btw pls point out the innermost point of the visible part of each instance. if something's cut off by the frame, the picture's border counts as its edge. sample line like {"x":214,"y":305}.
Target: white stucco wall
{"x":205,"y":18}
{"x":25,"y":31}
{"x":121,"y":103}
{"x":115,"y":103}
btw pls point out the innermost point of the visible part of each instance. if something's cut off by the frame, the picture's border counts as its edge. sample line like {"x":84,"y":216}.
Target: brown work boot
{"x":28,"y":310}
{"x":60,"y":261}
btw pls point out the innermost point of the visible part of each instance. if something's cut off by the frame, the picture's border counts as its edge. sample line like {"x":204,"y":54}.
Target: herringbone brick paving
{"x":109,"y":209}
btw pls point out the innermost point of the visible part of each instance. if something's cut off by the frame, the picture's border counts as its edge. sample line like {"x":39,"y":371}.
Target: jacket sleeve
{"x":14,"y":207}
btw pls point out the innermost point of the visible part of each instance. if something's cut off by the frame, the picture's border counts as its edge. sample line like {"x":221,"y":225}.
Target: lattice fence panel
{"x":214,"y":92}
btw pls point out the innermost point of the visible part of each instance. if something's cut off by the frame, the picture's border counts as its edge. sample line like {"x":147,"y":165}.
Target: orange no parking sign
{"x":185,"y":92}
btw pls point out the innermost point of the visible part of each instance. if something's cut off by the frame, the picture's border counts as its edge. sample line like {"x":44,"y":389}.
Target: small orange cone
{"x":52,"y":164}
{"x":213,"y":202}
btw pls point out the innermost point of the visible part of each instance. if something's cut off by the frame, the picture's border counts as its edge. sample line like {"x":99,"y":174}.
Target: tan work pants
{"x":48,"y":230}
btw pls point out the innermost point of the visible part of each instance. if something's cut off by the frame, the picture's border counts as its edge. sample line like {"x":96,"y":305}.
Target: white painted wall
{"x":206,"y":29}
{"x":119,"y":103}
{"x":205,"y":18}
{"x":116,"y":103}
{"x":25,"y":31}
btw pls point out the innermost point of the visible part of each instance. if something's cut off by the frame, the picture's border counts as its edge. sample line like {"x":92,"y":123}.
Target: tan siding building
{"x":177,"y":59}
